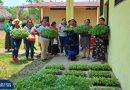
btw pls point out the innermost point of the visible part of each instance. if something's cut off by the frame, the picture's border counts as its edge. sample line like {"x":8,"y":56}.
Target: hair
{"x":69,"y":21}
{"x":63,"y":19}
{"x":29,"y":20}
{"x":102,"y":18}
{"x":53,"y":23}
{"x":74,"y":20}
{"x":87,"y":20}
{"x":10,"y":20}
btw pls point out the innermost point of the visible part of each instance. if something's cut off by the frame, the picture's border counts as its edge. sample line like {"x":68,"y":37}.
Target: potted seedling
{"x":52,"y":71}
{"x":83,"y":67}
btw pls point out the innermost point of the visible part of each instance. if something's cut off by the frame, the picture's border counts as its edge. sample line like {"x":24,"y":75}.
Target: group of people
{"x":67,"y":43}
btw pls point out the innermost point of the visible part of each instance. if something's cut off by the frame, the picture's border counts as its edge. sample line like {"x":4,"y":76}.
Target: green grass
{"x":8,"y":68}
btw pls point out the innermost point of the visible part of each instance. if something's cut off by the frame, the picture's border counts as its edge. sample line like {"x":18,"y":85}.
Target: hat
{"x":20,"y":22}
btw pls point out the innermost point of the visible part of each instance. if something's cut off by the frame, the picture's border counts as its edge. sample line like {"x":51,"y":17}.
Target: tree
{"x":34,"y":1}
{"x":1,"y":1}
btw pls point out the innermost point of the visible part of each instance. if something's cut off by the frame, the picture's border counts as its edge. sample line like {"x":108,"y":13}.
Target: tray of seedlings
{"x":82,"y":67}
{"x":75,"y":73}
{"x":99,"y":67}
{"x":52,"y":71}
{"x":106,"y":74}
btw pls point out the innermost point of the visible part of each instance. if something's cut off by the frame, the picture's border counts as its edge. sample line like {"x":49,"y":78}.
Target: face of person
{"x":72,"y":23}
{"x":101,"y":21}
{"x":64,"y":21}
{"x":29,"y":23}
{"x":54,"y":25}
{"x":16,"y":22}
{"x":86,"y":22}
{"x":44,"y":23}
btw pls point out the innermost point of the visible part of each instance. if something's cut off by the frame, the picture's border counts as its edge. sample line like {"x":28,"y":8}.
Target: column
{"x":41,"y":13}
{"x":69,"y":9}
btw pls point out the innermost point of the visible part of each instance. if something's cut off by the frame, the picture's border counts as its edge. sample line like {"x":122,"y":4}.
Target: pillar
{"x":69,"y":10}
{"x":41,"y":13}
{"x":98,"y":13}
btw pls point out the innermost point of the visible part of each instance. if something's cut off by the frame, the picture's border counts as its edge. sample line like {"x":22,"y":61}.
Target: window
{"x":101,"y":7}
{"x":118,"y":1}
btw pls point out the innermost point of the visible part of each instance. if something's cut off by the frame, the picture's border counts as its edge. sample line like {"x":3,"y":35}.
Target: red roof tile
{"x":61,"y":4}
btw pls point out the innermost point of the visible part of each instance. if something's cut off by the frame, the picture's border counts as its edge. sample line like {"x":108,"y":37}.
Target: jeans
{"x":62,"y":42}
{"x":29,"y":45}
{"x":16,"y":45}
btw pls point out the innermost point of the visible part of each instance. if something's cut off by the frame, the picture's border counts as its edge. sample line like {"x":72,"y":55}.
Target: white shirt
{"x":62,"y":34}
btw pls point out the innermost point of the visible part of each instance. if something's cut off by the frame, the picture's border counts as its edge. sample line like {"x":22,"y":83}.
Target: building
{"x":4,"y":14}
{"x":117,"y":15}
{"x":55,"y":11}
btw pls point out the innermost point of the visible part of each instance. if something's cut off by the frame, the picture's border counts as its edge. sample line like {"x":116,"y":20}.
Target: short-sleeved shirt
{"x":39,"y":29}
{"x":62,"y":34}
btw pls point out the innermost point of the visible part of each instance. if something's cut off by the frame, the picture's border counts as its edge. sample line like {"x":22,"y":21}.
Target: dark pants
{"x":29,"y":45}
{"x":16,"y":45}
{"x":7,"y":41}
{"x":62,"y":42}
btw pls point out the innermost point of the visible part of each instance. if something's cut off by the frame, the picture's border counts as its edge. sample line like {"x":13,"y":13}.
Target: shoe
{"x":43,"y":60}
{"x":13,"y":60}
{"x":17,"y":60}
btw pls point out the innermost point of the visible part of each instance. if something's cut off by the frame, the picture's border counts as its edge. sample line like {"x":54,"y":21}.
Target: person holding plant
{"x":16,"y":42}
{"x":99,"y":42}
{"x":7,"y":28}
{"x":62,"y":34}
{"x":72,"y":42}
{"x":30,"y":40}
{"x":85,"y":41}
{"x":43,"y":40}
{"x":55,"y":41}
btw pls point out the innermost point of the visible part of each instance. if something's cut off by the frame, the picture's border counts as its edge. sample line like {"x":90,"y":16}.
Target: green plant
{"x":56,"y":66}
{"x":19,"y":33}
{"x":104,"y":67}
{"x":99,"y":30}
{"x":105,"y":74}
{"x":72,"y":83}
{"x":78,"y":67}
{"x":69,"y":29}
{"x":74,"y":72}
{"x":37,"y":81}
{"x":102,"y":89}
{"x":52,"y":71}
{"x":49,"y":33}
{"x":82,"y":29}
{"x":105,"y":82}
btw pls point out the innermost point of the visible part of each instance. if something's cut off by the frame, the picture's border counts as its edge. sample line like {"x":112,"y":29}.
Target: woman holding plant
{"x":16,"y":42}
{"x":30,"y":40}
{"x":101,"y":34}
{"x":85,"y":41}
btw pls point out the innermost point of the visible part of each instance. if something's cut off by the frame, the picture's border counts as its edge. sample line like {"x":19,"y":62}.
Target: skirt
{"x":7,"y":41}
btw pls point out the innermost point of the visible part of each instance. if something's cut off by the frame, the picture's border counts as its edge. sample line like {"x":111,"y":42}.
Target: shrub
{"x":74,"y":72}
{"x":56,"y":66}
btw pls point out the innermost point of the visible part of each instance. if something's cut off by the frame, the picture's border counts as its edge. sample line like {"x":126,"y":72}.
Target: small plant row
{"x":55,"y":66}
{"x":96,"y":67}
{"x":105,"y":89}
{"x":75,"y":73}
{"x":106,"y":74}
{"x":52,"y":71}
{"x":105,"y":82}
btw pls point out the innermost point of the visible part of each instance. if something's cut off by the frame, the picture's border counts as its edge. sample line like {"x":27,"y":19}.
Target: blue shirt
{"x":62,"y":34}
